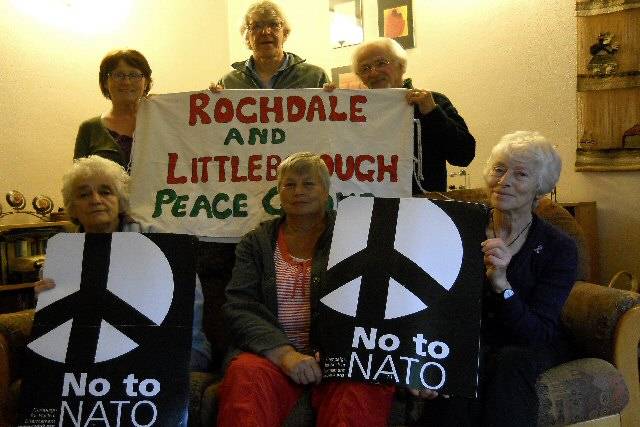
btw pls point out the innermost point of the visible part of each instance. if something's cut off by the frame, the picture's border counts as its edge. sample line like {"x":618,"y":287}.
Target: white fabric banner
{"x":205,"y":163}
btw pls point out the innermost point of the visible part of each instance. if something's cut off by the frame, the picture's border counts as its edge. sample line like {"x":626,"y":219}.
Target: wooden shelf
{"x":599,"y":7}
{"x":67,"y":225}
{"x":620,"y":159}
{"x":585,"y":214}
{"x":627,"y":80}
{"x":22,"y":248}
{"x":16,"y":287}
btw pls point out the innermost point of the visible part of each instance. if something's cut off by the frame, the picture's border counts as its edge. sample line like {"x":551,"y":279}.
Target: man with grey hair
{"x":381,"y":64}
{"x":265,"y":29}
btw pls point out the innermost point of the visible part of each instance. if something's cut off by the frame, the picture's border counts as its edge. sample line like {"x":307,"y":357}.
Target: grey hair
{"x":264,"y":8}
{"x":534,"y":149}
{"x":88,"y":167}
{"x":390,"y":45}
{"x":304,"y":162}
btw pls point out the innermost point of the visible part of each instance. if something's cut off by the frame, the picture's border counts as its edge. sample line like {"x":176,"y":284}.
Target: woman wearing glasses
{"x":124,"y":78}
{"x":530,"y":269}
{"x":265,"y":30}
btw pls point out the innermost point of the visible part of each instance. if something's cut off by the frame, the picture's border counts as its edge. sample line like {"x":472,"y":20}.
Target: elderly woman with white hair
{"x":531,"y":267}
{"x":96,"y":197}
{"x":530,"y":270}
{"x":381,"y":64}
{"x":265,"y":29}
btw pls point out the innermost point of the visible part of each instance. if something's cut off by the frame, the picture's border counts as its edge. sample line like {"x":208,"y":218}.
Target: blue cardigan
{"x":542,"y":274}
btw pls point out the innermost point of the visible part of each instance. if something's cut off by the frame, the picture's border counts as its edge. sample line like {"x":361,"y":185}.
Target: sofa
{"x":599,"y":389}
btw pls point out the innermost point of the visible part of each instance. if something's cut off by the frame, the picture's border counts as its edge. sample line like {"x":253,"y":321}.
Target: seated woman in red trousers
{"x":271,"y":302}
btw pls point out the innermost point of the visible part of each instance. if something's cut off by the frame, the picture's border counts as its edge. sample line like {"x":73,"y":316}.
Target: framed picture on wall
{"x":346,"y":22}
{"x":395,"y":20}
{"x":344,"y":78}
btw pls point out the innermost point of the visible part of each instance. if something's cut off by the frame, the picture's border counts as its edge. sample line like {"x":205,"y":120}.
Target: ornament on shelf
{"x":603,"y":62}
{"x":43,"y":205}
{"x":465,"y":177}
{"x":16,"y":200}
{"x":631,"y":137}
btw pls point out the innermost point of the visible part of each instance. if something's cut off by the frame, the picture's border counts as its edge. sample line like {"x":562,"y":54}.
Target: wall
{"x":49,"y":72}
{"x":506,"y":65}
{"x":309,"y":35}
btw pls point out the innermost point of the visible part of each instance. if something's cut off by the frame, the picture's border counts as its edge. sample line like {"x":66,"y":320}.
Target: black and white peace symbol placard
{"x":116,"y":328}
{"x":401,"y":304}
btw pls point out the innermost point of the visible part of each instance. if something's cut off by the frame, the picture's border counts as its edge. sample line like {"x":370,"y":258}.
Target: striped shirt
{"x":293,"y":278}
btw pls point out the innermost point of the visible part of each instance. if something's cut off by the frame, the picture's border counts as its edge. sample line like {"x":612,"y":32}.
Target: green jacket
{"x":94,"y":138}
{"x":297,"y":75}
{"x":251,"y":308}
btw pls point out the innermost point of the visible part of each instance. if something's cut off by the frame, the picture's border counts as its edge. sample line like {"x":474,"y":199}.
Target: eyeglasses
{"x":258,"y":27}
{"x":120,"y":76}
{"x":378,"y":63}
{"x":498,"y":171}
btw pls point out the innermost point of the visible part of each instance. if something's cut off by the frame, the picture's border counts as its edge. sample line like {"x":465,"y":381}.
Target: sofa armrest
{"x":604,"y":324}
{"x":592,"y":315}
{"x":5,"y":380}
{"x":625,"y":357}
{"x":15,"y":329}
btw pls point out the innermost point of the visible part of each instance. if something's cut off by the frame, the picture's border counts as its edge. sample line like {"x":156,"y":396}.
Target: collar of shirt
{"x":251,"y":66}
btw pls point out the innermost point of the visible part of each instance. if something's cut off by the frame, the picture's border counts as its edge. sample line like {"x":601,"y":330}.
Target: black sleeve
{"x":447,"y":129}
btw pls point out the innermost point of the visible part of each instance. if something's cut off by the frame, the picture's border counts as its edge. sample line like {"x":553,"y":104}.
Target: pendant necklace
{"x":493,"y":228}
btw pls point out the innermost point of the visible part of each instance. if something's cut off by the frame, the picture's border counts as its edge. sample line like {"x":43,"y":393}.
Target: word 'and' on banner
{"x":205,"y":163}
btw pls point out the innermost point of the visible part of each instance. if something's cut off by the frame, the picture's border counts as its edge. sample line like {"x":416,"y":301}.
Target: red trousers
{"x":255,"y":392}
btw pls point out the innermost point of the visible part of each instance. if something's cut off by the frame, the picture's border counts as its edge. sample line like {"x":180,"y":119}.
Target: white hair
{"x":531,"y":148}
{"x":390,"y":45}
{"x":92,"y":166}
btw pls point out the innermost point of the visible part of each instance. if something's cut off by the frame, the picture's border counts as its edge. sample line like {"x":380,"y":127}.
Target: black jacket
{"x":444,"y":138}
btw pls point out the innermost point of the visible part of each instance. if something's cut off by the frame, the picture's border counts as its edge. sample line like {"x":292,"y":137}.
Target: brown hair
{"x":132,"y":58}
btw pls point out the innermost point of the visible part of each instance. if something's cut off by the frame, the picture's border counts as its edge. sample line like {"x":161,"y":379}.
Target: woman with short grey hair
{"x":530,"y":270}
{"x":85,"y":169}
{"x":533,"y":149}
{"x":271,"y":316}
{"x":95,"y":193}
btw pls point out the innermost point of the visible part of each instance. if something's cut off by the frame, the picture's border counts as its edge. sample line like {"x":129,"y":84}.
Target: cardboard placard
{"x":110,"y":343}
{"x":402,"y":304}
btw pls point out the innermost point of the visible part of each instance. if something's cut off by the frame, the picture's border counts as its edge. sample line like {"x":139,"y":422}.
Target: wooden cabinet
{"x":586,"y":216}
{"x":22,"y":253}
{"x":608,"y":97}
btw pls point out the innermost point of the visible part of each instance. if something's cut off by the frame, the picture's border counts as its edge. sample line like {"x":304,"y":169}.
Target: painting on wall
{"x":395,"y":20}
{"x":344,"y":78}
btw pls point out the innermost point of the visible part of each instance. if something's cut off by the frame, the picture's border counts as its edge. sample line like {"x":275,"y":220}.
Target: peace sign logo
{"x":391,"y":257}
{"x":105,"y":284}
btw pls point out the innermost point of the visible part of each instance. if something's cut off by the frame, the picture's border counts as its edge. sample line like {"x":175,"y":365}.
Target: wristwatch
{"x":507,"y":293}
